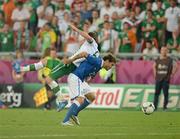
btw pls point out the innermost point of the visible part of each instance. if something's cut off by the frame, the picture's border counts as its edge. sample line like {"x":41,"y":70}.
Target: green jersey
{"x":61,"y":70}
{"x":158,"y":14}
{"x":117,"y":25}
{"x":51,"y":63}
{"x":166,"y":4}
{"x":126,"y":47}
{"x":1,"y":23}
{"x":7,"y":41}
{"x":150,"y":34}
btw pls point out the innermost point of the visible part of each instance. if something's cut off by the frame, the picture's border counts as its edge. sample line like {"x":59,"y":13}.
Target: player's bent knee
{"x":80,"y":100}
{"x":90,"y":96}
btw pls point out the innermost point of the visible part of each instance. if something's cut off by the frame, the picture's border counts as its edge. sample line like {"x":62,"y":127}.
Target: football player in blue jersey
{"x":80,"y":92}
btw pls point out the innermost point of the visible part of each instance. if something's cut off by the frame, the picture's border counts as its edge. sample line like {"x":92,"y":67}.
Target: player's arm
{"x":34,"y":67}
{"x":82,"y":33}
{"x":78,"y":56}
{"x":154,"y":69}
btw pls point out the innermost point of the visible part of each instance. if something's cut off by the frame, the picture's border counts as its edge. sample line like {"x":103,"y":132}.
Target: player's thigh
{"x":75,"y":86}
{"x":87,"y":91}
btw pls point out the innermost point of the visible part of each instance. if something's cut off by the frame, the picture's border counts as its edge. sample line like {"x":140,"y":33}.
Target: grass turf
{"x":95,"y":124}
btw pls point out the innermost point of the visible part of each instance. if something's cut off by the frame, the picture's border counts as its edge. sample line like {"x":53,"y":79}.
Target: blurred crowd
{"x":123,"y":26}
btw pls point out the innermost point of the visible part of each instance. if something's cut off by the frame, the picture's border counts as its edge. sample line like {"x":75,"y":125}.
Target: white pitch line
{"x":86,"y":135}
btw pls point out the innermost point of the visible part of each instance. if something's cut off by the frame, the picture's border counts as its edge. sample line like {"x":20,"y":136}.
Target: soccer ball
{"x":148,"y":108}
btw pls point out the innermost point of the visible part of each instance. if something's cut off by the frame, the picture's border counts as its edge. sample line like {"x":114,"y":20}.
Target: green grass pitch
{"x":95,"y":124}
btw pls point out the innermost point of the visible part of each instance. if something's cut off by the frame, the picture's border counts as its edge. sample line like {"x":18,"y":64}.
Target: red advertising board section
{"x":127,"y":72}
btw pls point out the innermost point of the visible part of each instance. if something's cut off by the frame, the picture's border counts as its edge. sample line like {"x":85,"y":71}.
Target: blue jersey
{"x":89,"y":67}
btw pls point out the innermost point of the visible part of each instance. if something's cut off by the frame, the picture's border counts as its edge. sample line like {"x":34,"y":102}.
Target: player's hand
{"x":16,"y":67}
{"x":67,"y":61}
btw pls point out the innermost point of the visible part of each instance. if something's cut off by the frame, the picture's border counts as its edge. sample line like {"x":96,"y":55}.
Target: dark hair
{"x":159,"y":1}
{"x":109,"y":57}
{"x":48,"y":24}
{"x":19,"y":3}
{"x":94,"y":35}
{"x":150,"y":11}
{"x":53,"y":49}
{"x":46,"y":52}
{"x":148,"y":41}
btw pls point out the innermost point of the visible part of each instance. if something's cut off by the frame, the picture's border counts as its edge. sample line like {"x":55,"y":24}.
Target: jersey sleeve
{"x":94,"y":60}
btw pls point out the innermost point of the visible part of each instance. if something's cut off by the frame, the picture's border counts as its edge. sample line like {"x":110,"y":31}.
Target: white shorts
{"x":77,"y":87}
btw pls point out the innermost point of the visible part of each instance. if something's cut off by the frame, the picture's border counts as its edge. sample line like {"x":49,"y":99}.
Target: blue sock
{"x":82,"y":106}
{"x":73,"y":108}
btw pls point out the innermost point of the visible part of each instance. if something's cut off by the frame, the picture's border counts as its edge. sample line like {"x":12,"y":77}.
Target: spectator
{"x":172,"y":16}
{"x":6,"y":39}
{"x":23,"y":37}
{"x":163,"y":70}
{"x":71,"y":41}
{"x":86,"y":12}
{"x":150,"y":49}
{"x":1,"y":20}
{"x":18,"y":77}
{"x":132,"y":20}
{"x":96,"y":21}
{"x":55,"y":27}
{"x":33,"y":21}
{"x":108,"y":9}
{"x":108,"y":38}
{"x":159,"y":16}
{"x":76,"y":6}
{"x":125,"y":43}
{"x":106,"y":18}
{"x":126,"y":17}
{"x":116,"y":22}
{"x":138,"y":13}
{"x":19,"y":15}
{"x":46,"y":37}
{"x":8,"y":8}
{"x":177,"y":52}
{"x":148,"y":8}
{"x":131,"y":4}
{"x":77,"y":19}
{"x":63,"y":26}
{"x":174,"y":43}
{"x":62,"y":10}
{"x":69,"y":2}
{"x":140,"y":18}
{"x":149,"y":28}
{"x":45,"y":13}
{"x":120,"y":8}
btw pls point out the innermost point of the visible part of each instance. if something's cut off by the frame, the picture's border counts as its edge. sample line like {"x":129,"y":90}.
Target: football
{"x":148,"y":108}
